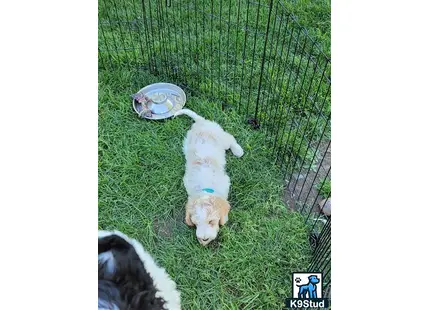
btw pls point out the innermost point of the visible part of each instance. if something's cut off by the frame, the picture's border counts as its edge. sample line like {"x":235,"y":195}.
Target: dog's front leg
{"x":312,"y":293}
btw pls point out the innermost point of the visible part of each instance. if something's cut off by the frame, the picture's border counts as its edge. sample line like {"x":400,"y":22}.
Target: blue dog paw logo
{"x":307,"y":285}
{"x":309,"y":290}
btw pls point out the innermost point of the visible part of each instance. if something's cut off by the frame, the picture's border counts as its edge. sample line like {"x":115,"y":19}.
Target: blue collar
{"x":208,"y":190}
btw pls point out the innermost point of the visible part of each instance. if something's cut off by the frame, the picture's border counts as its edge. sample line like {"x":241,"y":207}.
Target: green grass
{"x":324,"y":188}
{"x":315,"y":16}
{"x":141,"y":166}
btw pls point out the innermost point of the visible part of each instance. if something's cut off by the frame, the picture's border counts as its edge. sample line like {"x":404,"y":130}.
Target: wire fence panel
{"x":251,"y":56}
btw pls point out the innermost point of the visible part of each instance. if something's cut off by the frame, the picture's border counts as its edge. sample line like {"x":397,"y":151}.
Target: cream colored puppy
{"x":205,"y":179}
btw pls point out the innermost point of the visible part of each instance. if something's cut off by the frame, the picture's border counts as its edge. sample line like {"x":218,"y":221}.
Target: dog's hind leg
{"x":302,"y":292}
{"x":235,"y":148}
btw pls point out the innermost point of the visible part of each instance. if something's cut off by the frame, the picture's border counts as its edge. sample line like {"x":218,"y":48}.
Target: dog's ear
{"x":188,"y":206}
{"x":224,"y":207}
{"x":188,"y":219}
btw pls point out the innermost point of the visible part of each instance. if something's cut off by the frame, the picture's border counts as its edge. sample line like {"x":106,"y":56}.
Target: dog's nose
{"x":203,"y":240}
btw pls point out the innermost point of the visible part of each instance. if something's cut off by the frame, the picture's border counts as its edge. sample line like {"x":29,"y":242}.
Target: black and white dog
{"x":129,"y":278}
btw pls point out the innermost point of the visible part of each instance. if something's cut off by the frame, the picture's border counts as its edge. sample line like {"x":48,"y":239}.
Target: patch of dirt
{"x":300,"y":192}
{"x":165,"y":228}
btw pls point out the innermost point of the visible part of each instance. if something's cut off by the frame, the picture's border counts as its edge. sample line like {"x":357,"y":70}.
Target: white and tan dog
{"x":205,"y":179}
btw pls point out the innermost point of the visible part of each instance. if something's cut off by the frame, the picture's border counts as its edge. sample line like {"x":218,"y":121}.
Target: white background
{"x":48,"y":149}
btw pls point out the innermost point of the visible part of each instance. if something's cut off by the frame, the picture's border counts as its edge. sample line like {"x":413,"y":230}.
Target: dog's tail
{"x":190,"y":113}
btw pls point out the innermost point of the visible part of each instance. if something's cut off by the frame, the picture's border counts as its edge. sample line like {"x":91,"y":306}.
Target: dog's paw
{"x":237,"y":150}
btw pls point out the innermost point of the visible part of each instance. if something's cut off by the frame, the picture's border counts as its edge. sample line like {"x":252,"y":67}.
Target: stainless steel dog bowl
{"x":158,"y":101}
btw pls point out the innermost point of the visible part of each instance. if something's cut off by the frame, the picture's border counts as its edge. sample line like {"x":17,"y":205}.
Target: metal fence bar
{"x":257,"y":21}
{"x":262,"y":61}
{"x":243,"y":55}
